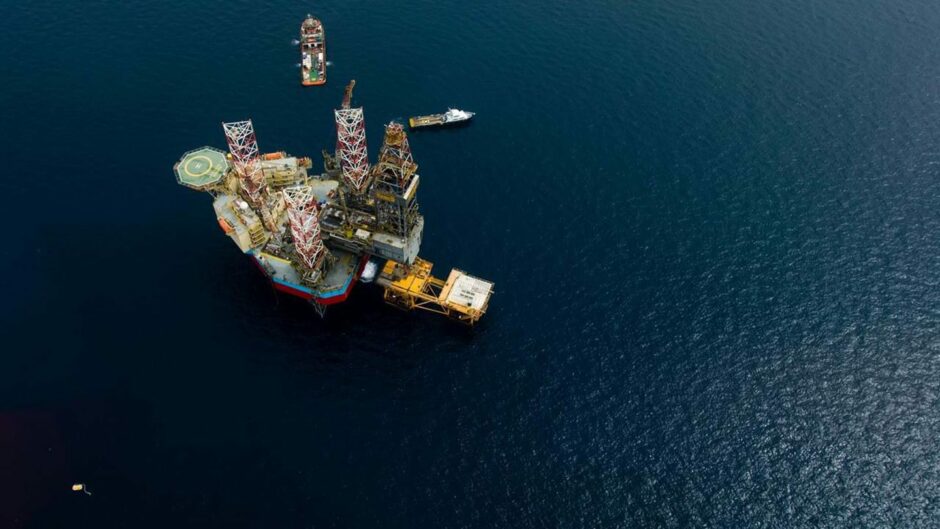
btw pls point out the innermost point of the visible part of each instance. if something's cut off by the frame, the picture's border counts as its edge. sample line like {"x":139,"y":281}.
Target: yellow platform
{"x":462,"y":297}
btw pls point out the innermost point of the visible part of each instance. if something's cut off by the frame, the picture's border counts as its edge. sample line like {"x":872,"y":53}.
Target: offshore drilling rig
{"x":315,"y":235}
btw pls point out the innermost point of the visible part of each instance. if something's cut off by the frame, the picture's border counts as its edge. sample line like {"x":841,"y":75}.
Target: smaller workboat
{"x":369,"y":271}
{"x":453,"y":116}
{"x":312,"y":52}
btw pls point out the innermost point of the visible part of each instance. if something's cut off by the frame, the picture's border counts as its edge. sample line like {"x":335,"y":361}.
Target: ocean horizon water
{"x":712,"y":227}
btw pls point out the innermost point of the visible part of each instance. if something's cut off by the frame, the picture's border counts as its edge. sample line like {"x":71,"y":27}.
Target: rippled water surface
{"x":713,"y":228}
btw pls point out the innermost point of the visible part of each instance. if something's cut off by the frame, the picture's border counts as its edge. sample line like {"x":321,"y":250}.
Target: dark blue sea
{"x":713,"y":226}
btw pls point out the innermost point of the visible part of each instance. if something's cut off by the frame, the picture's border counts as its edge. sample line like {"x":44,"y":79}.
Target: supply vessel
{"x":316,"y":235}
{"x":453,"y":116}
{"x":312,"y":52}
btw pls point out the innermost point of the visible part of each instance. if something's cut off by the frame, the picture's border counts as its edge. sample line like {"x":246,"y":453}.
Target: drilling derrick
{"x":305,"y":228}
{"x":243,"y":145}
{"x":396,"y":183}
{"x":351,"y":143}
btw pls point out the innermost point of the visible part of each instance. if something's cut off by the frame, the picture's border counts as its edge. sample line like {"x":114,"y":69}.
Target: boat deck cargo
{"x":312,"y":52}
{"x":453,"y":116}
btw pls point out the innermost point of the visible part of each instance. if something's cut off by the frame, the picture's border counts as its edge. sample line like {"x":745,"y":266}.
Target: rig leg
{"x":321,"y":309}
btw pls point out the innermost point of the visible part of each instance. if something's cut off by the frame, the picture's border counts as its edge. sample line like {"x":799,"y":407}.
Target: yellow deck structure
{"x":426,"y":121}
{"x":461,"y":297}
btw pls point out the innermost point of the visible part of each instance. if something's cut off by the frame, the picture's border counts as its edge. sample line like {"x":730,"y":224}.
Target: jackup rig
{"x":316,"y":235}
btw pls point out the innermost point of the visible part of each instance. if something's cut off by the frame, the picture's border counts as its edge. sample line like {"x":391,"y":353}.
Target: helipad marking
{"x":198,"y":158}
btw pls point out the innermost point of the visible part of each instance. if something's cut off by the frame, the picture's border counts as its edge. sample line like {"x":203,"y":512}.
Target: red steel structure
{"x":305,"y":226}
{"x":243,"y":145}
{"x":351,"y":143}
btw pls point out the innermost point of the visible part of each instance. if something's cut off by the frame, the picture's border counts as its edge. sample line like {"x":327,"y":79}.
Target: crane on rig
{"x":347,"y":93}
